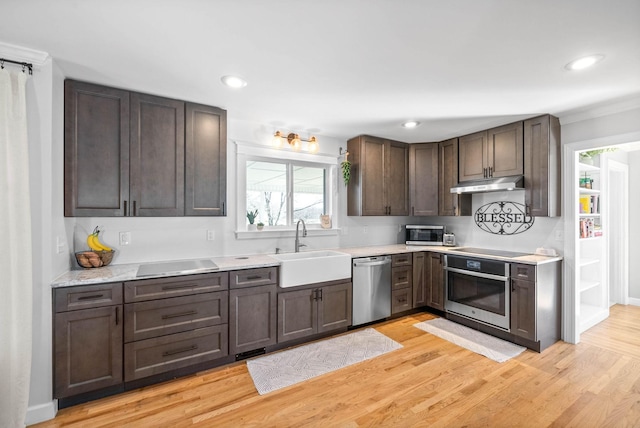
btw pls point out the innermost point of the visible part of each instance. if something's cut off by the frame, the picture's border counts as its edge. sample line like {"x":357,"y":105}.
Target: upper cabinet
{"x":450,"y":204}
{"x":423,"y":179}
{"x":132,"y":154}
{"x":497,"y":152}
{"x":379,"y":182}
{"x":542,"y":166}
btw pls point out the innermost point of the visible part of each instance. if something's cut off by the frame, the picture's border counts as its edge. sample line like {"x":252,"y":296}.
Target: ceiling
{"x":342,"y":68}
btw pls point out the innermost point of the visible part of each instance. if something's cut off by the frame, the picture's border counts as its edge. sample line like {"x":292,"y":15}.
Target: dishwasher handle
{"x":374,"y":261}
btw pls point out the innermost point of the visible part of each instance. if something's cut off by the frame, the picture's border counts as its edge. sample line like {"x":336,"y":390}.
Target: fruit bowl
{"x":94,"y":259}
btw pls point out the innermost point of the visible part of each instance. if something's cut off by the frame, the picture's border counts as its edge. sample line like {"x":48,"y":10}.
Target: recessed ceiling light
{"x":410,"y":124}
{"x":584,"y":62}
{"x":234,"y":81}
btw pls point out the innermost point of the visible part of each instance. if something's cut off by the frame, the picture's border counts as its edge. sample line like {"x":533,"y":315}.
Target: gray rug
{"x":289,"y":367}
{"x":491,"y":347}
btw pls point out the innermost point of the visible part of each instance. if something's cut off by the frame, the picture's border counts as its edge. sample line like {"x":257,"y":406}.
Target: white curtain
{"x":15,"y":252}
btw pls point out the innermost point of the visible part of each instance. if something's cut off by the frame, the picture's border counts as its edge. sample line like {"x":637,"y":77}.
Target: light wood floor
{"x":430,"y":382}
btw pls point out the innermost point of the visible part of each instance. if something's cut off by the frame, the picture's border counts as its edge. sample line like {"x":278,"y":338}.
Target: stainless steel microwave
{"x":420,"y":234}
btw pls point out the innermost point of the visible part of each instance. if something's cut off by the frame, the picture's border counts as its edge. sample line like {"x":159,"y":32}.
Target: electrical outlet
{"x":211,"y":235}
{"x":59,"y":245}
{"x":125,"y":238}
{"x":364,"y":229}
{"x":559,"y":235}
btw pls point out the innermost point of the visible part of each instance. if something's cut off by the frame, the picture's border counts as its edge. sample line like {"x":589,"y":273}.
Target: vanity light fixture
{"x":410,"y":124}
{"x":295,"y":141}
{"x":234,"y":82}
{"x":584,"y":62}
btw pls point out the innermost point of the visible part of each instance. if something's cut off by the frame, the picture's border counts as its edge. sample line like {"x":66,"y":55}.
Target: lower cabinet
{"x":401,"y":282}
{"x":252,"y":309}
{"x":435,"y":286}
{"x":313,"y":309}
{"x":252,"y":322}
{"x":535,"y":304}
{"x":87,"y":339}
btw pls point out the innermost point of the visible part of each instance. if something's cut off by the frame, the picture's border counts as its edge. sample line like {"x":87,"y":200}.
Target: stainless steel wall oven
{"x":478,"y":289}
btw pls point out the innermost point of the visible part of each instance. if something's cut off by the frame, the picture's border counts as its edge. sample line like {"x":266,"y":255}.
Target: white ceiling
{"x":346,"y":67}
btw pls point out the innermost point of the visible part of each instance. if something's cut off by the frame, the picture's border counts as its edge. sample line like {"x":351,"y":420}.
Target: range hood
{"x":490,"y":185}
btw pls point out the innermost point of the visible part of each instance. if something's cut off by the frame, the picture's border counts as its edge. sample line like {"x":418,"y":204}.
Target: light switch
{"x":125,"y":238}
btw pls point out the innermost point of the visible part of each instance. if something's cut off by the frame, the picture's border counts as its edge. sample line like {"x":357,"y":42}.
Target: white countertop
{"x":127,"y":272}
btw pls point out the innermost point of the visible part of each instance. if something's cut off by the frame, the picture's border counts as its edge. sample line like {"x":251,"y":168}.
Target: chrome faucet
{"x":304,"y":233}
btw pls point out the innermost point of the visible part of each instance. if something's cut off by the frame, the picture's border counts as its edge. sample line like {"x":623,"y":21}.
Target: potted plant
{"x":260,"y":225}
{"x":251,"y":216}
{"x":586,"y":157}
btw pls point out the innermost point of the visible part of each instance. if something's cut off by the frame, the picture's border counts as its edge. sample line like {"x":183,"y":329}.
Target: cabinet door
{"x":435,"y":281}
{"x":542,"y":166}
{"x":87,"y":350}
{"x":253,"y":318}
{"x":96,"y":150}
{"x":297,"y":314}
{"x":156,"y":156}
{"x":397,"y":178}
{"x":372,"y":168}
{"x":451,"y":204}
{"x":419,"y":279}
{"x":206,"y":160}
{"x":523,"y":309}
{"x":505,"y":150}
{"x":334,"y":307}
{"x":472,"y":156}
{"x":423,"y":179}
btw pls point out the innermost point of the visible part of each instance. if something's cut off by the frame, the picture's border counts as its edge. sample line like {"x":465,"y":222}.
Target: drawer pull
{"x":252,"y":277}
{"x":91,"y":297}
{"x":179,"y":351}
{"x":402,"y":278}
{"x":182,"y":314}
{"x":178,"y":286}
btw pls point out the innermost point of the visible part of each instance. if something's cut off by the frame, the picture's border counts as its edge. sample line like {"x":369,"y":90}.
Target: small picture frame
{"x":325,"y":221}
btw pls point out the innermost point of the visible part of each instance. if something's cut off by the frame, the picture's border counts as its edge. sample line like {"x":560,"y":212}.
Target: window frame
{"x":251,"y":152}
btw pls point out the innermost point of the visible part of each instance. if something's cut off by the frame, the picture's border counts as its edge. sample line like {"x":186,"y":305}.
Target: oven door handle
{"x":477,"y":274}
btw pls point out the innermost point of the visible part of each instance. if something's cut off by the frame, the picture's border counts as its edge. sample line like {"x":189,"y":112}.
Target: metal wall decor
{"x":503,"y":218}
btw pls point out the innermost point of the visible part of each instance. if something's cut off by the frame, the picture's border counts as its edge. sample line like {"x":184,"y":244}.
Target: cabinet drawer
{"x":87,"y":296}
{"x":253,"y":277}
{"x":159,"y":288}
{"x":523,"y":272}
{"x":145,"y":320}
{"x":152,"y":356}
{"x":401,"y":277}
{"x":405,"y":259}
{"x":401,"y":300}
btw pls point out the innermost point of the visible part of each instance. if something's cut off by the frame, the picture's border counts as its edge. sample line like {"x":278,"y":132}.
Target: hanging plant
{"x":346,"y":169}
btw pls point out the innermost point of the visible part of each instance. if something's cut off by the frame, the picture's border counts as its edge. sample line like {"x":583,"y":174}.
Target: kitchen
{"x":161,"y":238}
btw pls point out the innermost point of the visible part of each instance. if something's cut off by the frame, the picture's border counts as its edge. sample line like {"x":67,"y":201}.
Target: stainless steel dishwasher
{"x":371,"y":289}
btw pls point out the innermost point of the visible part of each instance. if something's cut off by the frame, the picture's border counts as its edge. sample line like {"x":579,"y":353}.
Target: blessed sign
{"x":503,"y":218}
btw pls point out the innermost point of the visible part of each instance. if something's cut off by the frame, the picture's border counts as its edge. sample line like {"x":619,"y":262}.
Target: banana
{"x":94,"y":242}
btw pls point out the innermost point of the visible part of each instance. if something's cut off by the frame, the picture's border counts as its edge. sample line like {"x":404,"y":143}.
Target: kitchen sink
{"x":309,"y":267}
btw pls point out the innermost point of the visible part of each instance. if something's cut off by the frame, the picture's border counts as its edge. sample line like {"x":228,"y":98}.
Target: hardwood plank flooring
{"x":429,"y":382}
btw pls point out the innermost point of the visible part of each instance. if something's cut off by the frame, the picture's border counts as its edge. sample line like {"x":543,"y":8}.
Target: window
{"x":270,"y":183}
{"x":284,"y":189}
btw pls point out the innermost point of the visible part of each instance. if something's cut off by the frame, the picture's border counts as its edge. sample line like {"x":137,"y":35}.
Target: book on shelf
{"x":588,"y":228}
{"x":590,"y":204}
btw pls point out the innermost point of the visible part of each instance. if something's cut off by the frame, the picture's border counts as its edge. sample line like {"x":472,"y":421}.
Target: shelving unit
{"x":591,"y":248}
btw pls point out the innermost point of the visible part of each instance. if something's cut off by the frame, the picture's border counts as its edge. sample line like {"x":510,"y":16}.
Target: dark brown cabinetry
{"x":401,"y":282}
{"x":125,"y":154}
{"x":313,"y":309}
{"x":252,"y":309}
{"x":96,"y":150}
{"x":499,"y":149}
{"x":379,"y":182}
{"x":423,"y":179}
{"x":87,"y":350}
{"x":174,"y":323}
{"x":535,"y":304}
{"x":542,"y":166}
{"x":450,"y":204}
{"x":428,"y":285}
{"x":206,"y":160}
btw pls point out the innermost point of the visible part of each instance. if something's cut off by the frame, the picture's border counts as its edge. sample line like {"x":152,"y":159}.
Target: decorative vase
{"x":251,"y":226}
{"x":260,"y":226}
{"x":586,"y":159}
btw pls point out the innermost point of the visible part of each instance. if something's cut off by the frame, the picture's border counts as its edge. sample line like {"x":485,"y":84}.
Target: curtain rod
{"x":23,"y":64}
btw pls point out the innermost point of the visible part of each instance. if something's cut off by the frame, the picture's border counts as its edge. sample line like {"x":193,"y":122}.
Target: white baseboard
{"x":41,"y":412}
{"x":634,"y":302}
